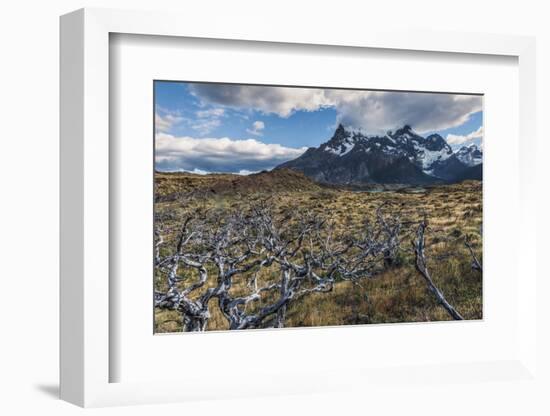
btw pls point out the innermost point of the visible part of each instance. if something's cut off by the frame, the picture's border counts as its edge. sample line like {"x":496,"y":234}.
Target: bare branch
{"x":219,"y":255}
{"x":476,"y":265}
{"x":422,"y":268}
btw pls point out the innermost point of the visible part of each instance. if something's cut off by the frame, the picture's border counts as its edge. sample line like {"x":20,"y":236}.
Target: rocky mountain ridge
{"x":398,"y":157}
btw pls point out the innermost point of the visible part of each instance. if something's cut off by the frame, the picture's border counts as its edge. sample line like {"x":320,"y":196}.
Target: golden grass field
{"x":399,"y":293}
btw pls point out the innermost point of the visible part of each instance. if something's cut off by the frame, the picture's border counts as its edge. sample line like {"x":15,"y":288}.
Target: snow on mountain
{"x":470,"y":155}
{"x":342,"y":148}
{"x":400,"y":156}
{"x":428,"y":157}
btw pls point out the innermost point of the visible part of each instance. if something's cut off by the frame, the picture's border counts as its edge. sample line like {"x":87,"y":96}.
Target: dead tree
{"x":422,"y":268}
{"x":476,"y":265}
{"x":238,"y":245}
{"x":218,"y":259}
{"x":310,"y":260}
{"x":233,"y":247}
{"x":300,"y":274}
{"x":194,"y":311}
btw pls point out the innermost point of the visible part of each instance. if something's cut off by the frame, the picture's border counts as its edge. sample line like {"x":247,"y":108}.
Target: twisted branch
{"x":422,"y":268}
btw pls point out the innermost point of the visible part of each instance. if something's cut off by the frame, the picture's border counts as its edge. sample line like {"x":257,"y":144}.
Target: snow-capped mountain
{"x":470,"y":155}
{"x":398,"y":157}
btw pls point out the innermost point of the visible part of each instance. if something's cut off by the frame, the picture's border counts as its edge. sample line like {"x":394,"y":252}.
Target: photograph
{"x":264,"y":208}
{"x":311,"y":206}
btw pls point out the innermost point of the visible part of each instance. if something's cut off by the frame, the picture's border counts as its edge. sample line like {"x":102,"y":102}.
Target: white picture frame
{"x":86,"y":356}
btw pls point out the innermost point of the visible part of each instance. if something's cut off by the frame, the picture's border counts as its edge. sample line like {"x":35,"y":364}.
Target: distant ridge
{"x":398,"y":157}
{"x":171,"y":184}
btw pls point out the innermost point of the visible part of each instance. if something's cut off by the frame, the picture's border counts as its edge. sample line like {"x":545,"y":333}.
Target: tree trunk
{"x":423,"y":270}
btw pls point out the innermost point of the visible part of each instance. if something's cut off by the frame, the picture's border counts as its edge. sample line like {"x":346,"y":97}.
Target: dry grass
{"x":398,"y":294}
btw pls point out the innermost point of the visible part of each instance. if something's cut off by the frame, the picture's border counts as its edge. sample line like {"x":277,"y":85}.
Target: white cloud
{"x":197,"y":171}
{"x":205,"y":126}
{"x":257,"y":128}
{"x":219,"y":154}
{"x":454,"y":139}
{"x":246,"y":172}
{"x":207,"y":120}
{"x":165,"y":122}
{"x":242,"y":172}
{"x":373,"y":111}
{"x":213,"y":112}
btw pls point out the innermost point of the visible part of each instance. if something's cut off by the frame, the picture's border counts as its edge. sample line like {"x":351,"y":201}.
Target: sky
{"x":210,"y":127}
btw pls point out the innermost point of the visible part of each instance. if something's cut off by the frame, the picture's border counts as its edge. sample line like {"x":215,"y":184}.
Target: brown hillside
{"x":170,"y":185}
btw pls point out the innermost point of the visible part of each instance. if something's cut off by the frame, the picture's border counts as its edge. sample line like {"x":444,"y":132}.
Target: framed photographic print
{"x":308,"y":214}
{"x":309,"y":219}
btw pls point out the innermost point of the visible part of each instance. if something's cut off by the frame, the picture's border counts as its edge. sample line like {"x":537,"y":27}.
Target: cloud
{"x":205,"y":126}
{"x":207,"y":120}
{"x":242,"y":172}
{"x":213,"y":112}
{"x":164,"y":123}
{"x":454,"y":139}
{"x":197,"y":171}
{"x":372,"y":111}
{"x":282,"y":101}
{"x":245,"y":172}
{"x":257,"y":128}
{"x":377,"y":112}
{"x":219,"y":154}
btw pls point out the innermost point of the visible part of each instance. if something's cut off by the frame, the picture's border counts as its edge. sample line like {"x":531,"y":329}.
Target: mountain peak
{"x":434,"y":137}
{"x":472,"y":147}
{"x":340,"y":134}
{"x":470,"y":155}
{"x":405,"y":130}
{"x":402,"y":156}
{"x":435,"y":142}
{"x":340,"y":129}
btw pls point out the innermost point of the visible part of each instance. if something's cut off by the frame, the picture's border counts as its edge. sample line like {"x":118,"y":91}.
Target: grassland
{"x":398,"y":293}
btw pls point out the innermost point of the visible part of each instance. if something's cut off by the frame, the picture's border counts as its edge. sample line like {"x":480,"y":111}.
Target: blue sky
{"x":238,"y":128}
